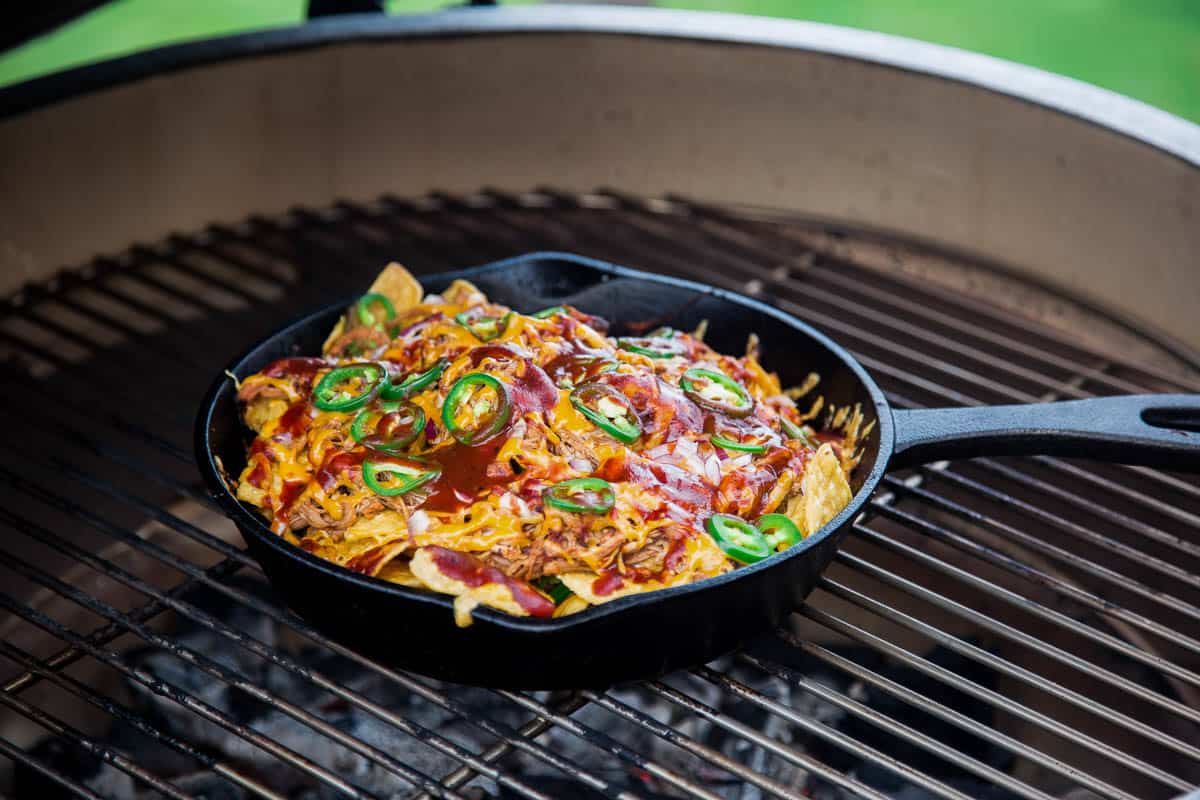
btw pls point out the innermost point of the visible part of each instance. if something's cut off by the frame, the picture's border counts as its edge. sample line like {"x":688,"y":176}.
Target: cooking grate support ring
{"x":132,"y":455}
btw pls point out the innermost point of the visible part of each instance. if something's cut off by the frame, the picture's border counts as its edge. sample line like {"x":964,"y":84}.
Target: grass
{"x":1148,"y":49}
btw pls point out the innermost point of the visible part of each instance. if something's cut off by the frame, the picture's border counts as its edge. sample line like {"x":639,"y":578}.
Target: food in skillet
{"x":529,"y":462}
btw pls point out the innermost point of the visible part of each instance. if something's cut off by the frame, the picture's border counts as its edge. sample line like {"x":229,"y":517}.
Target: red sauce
{"x":612,"y":579}
{"x":465,"y":467}
{"x":565,"y":324}
{"x":734,"y":369}
{"x":288,"y":495}
{"x":499,"y":352}
{"x":674,"y":483}
{"x":608,"y":582}
{"x":335,"y":465}
{"x":261,"y":472}
{"x":293,"y":424}
{"x":370,"y":561}
{"x":673,"y":561}
{"x":742,"y":491}
{"x":533,"y":391}
{"x":295,"y":367}
{"x":664,"y":410}
{"x":473,"y":572}
{"x":464,"y":474}
{"x":576,"y":366}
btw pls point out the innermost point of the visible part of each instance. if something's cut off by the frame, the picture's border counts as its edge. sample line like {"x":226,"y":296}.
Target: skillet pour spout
{"x":645,"y":635}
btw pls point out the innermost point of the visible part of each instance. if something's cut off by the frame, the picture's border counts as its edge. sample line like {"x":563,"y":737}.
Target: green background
{"x":1148,"y":49}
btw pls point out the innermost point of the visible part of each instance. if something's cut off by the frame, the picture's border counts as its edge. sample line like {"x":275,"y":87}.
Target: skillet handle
{"x":1157,"y":430}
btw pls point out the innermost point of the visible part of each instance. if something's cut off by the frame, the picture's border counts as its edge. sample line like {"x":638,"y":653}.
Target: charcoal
{"x":71,"y":761}
{"x":594,"y":756}
{"x":208,"y":785}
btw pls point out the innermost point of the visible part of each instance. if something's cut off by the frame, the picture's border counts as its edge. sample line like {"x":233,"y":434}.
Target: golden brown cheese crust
{"x":305,"y":473}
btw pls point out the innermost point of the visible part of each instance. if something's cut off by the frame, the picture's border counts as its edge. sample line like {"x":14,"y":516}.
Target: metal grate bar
{"x":1012,"y":633}
{"x":834,"y":271}
{"x":829,"y":266}
{"x":606,"y":743}
{"x":921,"y":702}
{"x":106,"y":633}
{"x":844,"y":274}
{"x":530,"y":730}
{"x":116,"y":421}
{"x":720,"y":760}
{"x":663,"y":223}
{"x":218,"y":671}
{"x":1063,"y":587}
{"x":210,"y":243}
{"x":198,"y":274}
{"x":899,"y":729}
{"x":1001,"y":665}
{"x":197,"y":303}
{"x":152,"y":344}
{"x":1178,"y":514}
{"x":1057,"y":465}
{"x":181,"y":697}
{"x":105,"y":753}
{"x":1075,"y":530}
{"x":721,"y":249}
{"x":846,"y":742}
{"x":1138,"y":527}
{"x":18,"y":755}
{"x":265,"y":651}
{"x":966,"y":686}
{"x":139,"y":722}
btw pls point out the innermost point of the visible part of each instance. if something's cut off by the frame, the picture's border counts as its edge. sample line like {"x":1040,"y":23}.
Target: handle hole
{"x":1181,"y":419}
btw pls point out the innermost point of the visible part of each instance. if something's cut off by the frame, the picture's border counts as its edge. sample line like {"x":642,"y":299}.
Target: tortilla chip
{"x":464,"y":293}
{"x":262,"y":410}
{"x":572,"y":605}
{"x":381,"y":526}
{"x":825,"y":492}
{"x":396,"y":284}
{"x":467,"y":598}
{"x":398,"y":571}
{"x":581,"y":584}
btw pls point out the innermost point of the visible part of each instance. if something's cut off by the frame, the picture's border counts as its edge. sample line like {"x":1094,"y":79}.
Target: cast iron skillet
{"x":650,"y":634}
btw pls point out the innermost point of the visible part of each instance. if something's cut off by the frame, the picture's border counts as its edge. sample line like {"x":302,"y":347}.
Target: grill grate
{"x":999,"y":628}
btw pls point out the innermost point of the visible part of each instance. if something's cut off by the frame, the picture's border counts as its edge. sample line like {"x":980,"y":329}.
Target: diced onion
{"x":418,"y":522}
{"x":712,"y":469}
{"x":657,"y":452}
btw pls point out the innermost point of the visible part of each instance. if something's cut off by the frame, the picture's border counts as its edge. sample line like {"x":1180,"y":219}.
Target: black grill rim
{"x":1105,"y":109}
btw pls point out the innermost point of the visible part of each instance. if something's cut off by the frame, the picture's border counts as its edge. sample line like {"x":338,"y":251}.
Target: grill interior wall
{"x":1041,"y":612}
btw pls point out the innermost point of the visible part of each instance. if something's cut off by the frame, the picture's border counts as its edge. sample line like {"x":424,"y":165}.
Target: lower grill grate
{"x":999,"y":628}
